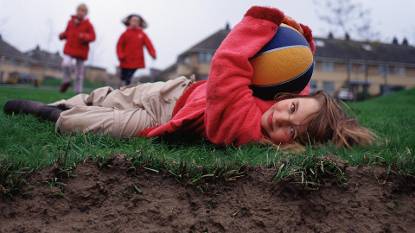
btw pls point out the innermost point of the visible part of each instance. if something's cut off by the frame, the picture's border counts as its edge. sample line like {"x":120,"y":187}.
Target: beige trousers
{"x":121,"y":113}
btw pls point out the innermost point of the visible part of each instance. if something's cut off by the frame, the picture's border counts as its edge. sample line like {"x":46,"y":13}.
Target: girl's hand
{"x":291,"y":22}
{"x":303,"y":29}
{"x":83,"y":37}
{"x":62,"y":36}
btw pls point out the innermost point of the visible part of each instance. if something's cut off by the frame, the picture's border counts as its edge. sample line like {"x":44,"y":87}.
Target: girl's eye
{"x":292,"y":108}
{"x":292,"y":132}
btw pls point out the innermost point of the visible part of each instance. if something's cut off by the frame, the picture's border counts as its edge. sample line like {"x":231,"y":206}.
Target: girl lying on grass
{"x":221,"y":109}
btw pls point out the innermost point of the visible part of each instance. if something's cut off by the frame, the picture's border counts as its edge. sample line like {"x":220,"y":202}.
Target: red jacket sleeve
{"x":89,"y":34}
{"x":120,"y":47}
{"x":149,"y":46}
{"x":231,"y":112}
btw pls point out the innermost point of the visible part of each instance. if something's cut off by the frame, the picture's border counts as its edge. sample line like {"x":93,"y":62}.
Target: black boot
{"x":64,"y":87}
{"x":41,"y":110}
{"x":49,"y":113}
{"x":22,"y":106}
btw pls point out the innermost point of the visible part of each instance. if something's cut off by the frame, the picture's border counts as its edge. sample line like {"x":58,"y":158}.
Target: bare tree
{"x":346,"y":17}
{"x":51,"y":33}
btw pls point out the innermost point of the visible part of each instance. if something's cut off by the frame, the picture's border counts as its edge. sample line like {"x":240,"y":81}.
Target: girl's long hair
{"x":331,"y":124}
{"x":143,"y":23}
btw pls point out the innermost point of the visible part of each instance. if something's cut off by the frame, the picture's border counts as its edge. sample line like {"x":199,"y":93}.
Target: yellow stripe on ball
{"x":278,"y":66}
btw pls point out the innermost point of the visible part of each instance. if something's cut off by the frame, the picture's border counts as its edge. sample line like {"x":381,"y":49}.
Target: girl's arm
{"x":232,"y":114}
{"x":89,"y":35}
{"x":149,"y":46}
{"x":120,"y":47}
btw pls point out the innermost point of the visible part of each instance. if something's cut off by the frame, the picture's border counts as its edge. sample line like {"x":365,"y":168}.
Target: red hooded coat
{"x":78,"y":36}
{"x":223,"y":108}
{"x":130,"y":48}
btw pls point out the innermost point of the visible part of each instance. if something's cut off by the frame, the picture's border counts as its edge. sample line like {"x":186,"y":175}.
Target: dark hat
{"x":126,"y":20}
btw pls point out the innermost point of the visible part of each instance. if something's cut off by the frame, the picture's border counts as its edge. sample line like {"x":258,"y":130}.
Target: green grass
{"x":55,"y":83}
{"x":27,"y":143}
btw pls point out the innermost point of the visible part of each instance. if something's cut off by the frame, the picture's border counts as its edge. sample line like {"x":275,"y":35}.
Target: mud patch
{"x":116,"y":198}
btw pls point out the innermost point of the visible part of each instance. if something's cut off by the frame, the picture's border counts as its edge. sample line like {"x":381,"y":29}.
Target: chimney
{"x":228,"y":26}
{"x":395,"y":41}
{"x":347,"y":36}
{"x":405,"y":42}
{"x":330,"y":36}
{"x":1,"y":37}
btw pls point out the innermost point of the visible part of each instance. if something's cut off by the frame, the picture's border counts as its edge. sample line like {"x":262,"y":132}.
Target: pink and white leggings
{"x":72,"y":65}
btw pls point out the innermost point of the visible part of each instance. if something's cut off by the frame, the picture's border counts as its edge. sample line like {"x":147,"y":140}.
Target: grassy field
{"x":27,"y":144}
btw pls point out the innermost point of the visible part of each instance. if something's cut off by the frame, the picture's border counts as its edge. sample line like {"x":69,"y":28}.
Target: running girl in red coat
{"x":130,"y":47}
{"x":222,"y":109}
{"x":78,"y":34}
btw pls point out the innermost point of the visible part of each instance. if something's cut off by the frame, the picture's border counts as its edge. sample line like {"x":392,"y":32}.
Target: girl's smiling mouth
{"x":270,"y":120}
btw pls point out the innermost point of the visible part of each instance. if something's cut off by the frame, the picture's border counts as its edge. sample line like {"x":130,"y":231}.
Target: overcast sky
{"x":174,"y":25}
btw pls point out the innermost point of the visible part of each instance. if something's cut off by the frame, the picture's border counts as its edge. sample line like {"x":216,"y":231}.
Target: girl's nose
{"x":281,"y":116}
{"x":281,"y":120}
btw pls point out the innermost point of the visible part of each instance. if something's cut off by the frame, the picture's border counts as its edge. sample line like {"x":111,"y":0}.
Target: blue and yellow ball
{"x":285,"y":64}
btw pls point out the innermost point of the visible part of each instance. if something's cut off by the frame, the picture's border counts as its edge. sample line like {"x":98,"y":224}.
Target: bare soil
{"x":116,"y":199}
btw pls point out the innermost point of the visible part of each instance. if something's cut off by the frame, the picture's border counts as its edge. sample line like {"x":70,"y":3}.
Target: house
{"x":45,"y":64}
{"x":12,"y":63}
{"x":363,"y":67}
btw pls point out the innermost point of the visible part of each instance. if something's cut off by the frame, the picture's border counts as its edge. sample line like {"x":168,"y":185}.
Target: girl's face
{"x":288,"y":118}
{"x":81,"y":12}
{"x":134,"y":22}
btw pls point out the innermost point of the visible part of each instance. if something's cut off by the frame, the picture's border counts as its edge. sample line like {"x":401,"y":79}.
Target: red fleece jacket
{"x":223,"y":109}
{"x":78,"y":36}
{"x":130,"y":48}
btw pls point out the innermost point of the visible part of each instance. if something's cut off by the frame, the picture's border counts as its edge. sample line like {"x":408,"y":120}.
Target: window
{"x":399,"y":70}
{"x":367,"y":47}
{"x":184,"y":60}
{"x":328,"y":86}
{"x":327,"y":66}
{"x":320,"y":43}
{"x":383,"y":70}
{"x":187,"y":61}
{"x":204,"y":58}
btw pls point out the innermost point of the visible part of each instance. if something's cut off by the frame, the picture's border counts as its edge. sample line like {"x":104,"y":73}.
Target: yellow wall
{"x":40,"y":72}
{"x":190,"y":67}
{"x":96,"y":75}
{"x":7,"y":68}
